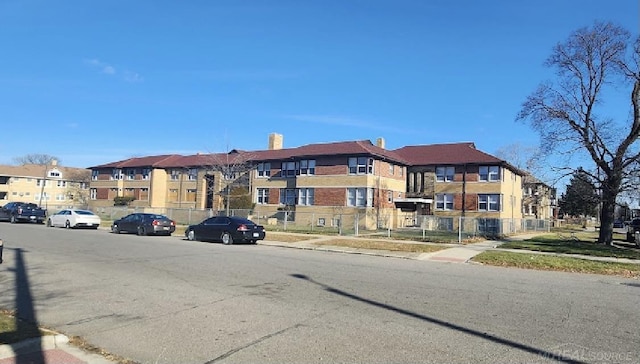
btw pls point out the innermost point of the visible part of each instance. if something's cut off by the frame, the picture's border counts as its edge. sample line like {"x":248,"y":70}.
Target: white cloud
{"x":108,"y":69}
{"x":132,"y":76}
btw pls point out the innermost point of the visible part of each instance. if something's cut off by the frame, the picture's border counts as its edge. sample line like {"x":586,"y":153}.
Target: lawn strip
{"x":382,"y":245}
{"x":555,"y":263}
{"x":556,"y":244}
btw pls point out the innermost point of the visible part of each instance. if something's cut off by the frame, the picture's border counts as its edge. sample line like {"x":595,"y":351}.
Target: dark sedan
{"x":144,"y":224}
{"x":227,"y":229}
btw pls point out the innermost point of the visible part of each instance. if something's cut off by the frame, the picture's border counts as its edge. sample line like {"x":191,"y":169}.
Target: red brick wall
{"x":329,"y":197}
{"x":102,"y":193}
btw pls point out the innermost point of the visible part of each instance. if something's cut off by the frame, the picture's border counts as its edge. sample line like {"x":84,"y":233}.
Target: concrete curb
{"x":46,"y":342}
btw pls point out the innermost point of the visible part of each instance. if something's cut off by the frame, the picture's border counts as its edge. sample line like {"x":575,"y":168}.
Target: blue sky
{"x":98,"y":81}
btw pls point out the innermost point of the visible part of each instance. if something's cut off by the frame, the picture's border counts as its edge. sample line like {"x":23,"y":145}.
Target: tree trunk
{"x":607,"y":213}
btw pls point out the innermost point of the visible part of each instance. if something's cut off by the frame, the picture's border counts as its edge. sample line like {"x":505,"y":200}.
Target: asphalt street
{"x":168,"y":300}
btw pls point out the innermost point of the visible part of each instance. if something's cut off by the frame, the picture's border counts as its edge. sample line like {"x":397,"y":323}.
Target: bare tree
{"x":44,"y":160}
{"x":567,"y":117}
{"x":77,"y":191}
{"x":521,"y":156}
{"x":232,"y":169}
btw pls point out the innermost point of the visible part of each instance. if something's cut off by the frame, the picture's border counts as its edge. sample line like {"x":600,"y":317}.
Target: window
{"x":263,"y":196}
{"x":45,"y":197}
{"x":145,"y":173}
{"x":401,"y":171}
{"x":175,"y":175}
{"x":389,"y":196}
{"x":54,"y":173}
{"x":489,"y":173}
{"x":93,"y":193}
{"x":489,"y":202}
{"x":60,"y":197}
{"x":287,"y":196}
{"x":191,"y":195}
{"x":288,"y":169}
{"x":94,"y":175}
{"x":62,"y":183}
{"x":144,"y":194}
{"x":229,"y":175}
{"x":360,"y":197}
{"x":173,"y":195}
{"x":193,"y":174}
{"x":360,"y":165}
{"x":305,"y":196}
{"x":129,"y":192}
{"x":489,"y":226}
{"x":264,"y":169}
{"x":307,"y":167}
{"x":444,"y":201}
{"x":391,"y":169}
{"x":116,"y":174}
{"x":445,"y":174}
{"x":321,"y":221}
{"x":131,"y":174}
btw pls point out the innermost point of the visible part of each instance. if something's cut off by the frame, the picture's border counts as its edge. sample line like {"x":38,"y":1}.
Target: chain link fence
{"x":449,"y":229}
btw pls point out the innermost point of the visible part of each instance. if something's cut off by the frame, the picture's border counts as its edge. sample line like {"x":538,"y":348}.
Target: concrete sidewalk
{"x":48,"y":349}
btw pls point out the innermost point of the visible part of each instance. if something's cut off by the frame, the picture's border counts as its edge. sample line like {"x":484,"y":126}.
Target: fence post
{"x":286,"y":218}
{"x":340,"y":224}
{"x":357,"y":217}
{"x":313,"y":219}
{"x":459,"y":229}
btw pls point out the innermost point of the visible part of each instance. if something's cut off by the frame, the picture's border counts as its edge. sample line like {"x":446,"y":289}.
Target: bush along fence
{"x":446,"y":229}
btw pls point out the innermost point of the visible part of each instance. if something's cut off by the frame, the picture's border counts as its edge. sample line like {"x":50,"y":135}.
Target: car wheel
{"x":49,"y":223}
{"x":67,"y":224}
{"x":142,"y":231}
{"x":13,"y":219}
{"x":191,"y":235}
{"x":227,"y":239}
{"x":115,"y":229}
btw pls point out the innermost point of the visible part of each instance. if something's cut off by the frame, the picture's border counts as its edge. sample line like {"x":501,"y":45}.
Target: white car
{"x":74,"y":219}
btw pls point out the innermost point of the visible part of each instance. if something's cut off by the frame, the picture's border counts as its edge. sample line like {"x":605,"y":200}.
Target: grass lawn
{"x":555,"y":263}
{"x":12,"y":332}
{"x":382,"y":245}
{"x":582,"y":243}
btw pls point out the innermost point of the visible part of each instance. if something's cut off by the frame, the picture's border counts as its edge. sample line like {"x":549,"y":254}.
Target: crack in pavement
{"x":257,"y":341}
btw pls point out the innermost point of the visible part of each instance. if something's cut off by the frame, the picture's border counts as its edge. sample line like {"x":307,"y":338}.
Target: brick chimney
{"x":380,"y":143}
{"x":275,"y":141}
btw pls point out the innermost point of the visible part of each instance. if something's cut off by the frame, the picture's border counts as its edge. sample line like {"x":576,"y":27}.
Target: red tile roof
{"x":361,"y":147}
{"x":150,"y":161}
{"x":434,"y":154}
{"x":455,"y":153}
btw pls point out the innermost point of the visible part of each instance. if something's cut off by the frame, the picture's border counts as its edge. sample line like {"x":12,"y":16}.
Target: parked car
{"x":22,"y":212}
{"x":632,"y":228}
{"x":227,"y":229}
{"x":74,"y":218}
{"x":617,"y":224}
{"x":144,"y":224}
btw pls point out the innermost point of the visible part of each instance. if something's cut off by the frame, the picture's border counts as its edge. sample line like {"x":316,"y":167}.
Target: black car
{"x":144,"y":224}
{"x":227,"y":229}
{"x":618,"y":224}
{"x":632,"y":228}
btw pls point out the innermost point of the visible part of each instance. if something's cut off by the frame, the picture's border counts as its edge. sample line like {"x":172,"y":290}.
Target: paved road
{"x":167,"y":300}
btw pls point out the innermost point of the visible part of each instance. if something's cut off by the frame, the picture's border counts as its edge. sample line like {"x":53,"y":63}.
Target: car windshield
{"x":83,"y":212}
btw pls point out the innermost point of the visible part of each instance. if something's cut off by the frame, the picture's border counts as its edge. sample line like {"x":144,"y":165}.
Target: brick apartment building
{"x":352,"y":176}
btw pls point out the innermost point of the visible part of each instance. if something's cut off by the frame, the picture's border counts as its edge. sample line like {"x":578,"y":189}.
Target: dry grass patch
{"x":556,"y":263}
{"x":382,"y":245}
{"x":288,"y":238}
